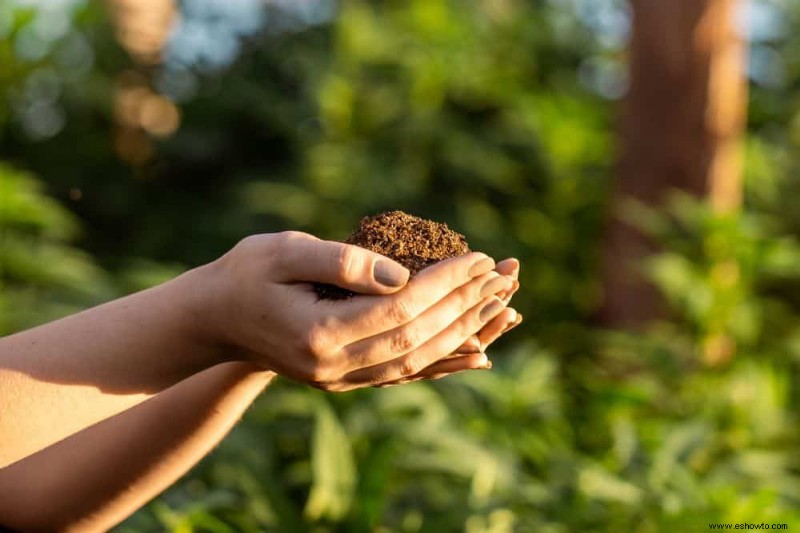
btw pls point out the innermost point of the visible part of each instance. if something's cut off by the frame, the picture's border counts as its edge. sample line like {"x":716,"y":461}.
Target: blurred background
{"x":641,"y":159}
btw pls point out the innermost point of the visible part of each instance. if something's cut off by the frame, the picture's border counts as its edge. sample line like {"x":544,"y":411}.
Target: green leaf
{"x":333,"y":467}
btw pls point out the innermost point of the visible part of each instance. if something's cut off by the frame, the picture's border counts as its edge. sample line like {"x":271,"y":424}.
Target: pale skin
{"x":103,"y":410}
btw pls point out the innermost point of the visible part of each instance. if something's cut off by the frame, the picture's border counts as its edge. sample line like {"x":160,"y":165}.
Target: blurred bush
{"x":496,"y":117}
{"x":42,"y":277}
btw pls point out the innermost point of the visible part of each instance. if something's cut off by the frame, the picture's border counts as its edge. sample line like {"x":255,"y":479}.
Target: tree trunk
{"x":681,"y":128}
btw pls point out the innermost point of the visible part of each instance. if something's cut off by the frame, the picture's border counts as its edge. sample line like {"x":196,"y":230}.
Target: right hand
{"x":262,"y":304}
{"x":471,"y":355}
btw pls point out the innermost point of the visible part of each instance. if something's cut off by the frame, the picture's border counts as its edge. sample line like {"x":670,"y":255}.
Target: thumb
{"x":303,"y":257}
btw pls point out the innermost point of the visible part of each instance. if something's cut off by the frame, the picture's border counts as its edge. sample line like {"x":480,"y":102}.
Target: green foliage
{"x":42,"y":277}
{"x":717,"y":272}
{"x":333,"y":472}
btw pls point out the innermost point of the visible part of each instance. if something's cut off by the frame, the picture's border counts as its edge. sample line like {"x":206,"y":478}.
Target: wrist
{"x":200,"y":294}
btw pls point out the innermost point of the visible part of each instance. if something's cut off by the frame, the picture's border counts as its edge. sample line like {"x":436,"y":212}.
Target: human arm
{"x":94,"y":479}
{"x":251,"y":305}
{"x":99,"y":475}
{"x":64,"y":376}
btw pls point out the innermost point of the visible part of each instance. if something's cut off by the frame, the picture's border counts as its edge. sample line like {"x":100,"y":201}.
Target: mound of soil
{"x":413,"y":242}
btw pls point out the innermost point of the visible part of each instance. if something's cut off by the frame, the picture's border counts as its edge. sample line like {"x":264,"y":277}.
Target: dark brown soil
{"x":413,"y":242}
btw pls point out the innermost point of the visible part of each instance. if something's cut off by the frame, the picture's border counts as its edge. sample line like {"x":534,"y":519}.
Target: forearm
{"x":95,"y":478}
{"x":61,"y":377}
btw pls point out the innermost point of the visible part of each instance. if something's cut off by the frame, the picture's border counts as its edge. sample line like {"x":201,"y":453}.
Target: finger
{"x":303,"y":257}
{"x":410,"y":336}
{"x":455,"y":363}
{"x":493,"y":328}
{"x":499,"y":325}
{"x":450,"y":366}
{"x":508,"y":267}
{"x":443,"y":343}
{"x":444,"y":368}
{"x":516,"y":323}
{"x":511,"y":292}
{"x":491,"y":331}
{"x":471,"y":345}
{"x":362,"y":317}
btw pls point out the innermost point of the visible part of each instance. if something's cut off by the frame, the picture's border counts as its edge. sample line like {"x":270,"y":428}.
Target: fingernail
{"x":390,"y":274}
{"x":482,"y":266}
{"x":513,"y":324}
{"x":487,"y":366}
{"x":491,"y":310}
{"x":493,"y":286}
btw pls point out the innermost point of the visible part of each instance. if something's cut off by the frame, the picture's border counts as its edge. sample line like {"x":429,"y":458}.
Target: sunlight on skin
{"x":116,"y":355}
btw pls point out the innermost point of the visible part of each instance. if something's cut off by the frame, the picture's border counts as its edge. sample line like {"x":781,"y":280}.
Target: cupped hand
{"x":262,"y":304}
{"x":471,"y":355}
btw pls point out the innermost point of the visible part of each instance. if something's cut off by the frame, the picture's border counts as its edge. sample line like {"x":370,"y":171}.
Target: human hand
{"x":262,"y":304}
{"x":471,"y":354}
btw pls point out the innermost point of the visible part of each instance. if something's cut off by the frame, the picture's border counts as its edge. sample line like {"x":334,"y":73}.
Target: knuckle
{"x":315,"y":341}
{"x":361,"y":358}
{"x":246,"y":241}
{"x":399,"y":312}
{"x":481,"y":283}
{"x":281,"y":244}
{"x":291,"y":236}
{"x":465,"y":299}
{"x":403,"y":341}
{"x":381,"y":376}
{"x":346,"y":262}
{"x":410,"y":366}
{"x":466,"y":328}
{"x":249,"y":244}
{"x":286,"y":239}
{"x":461,"y":330}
